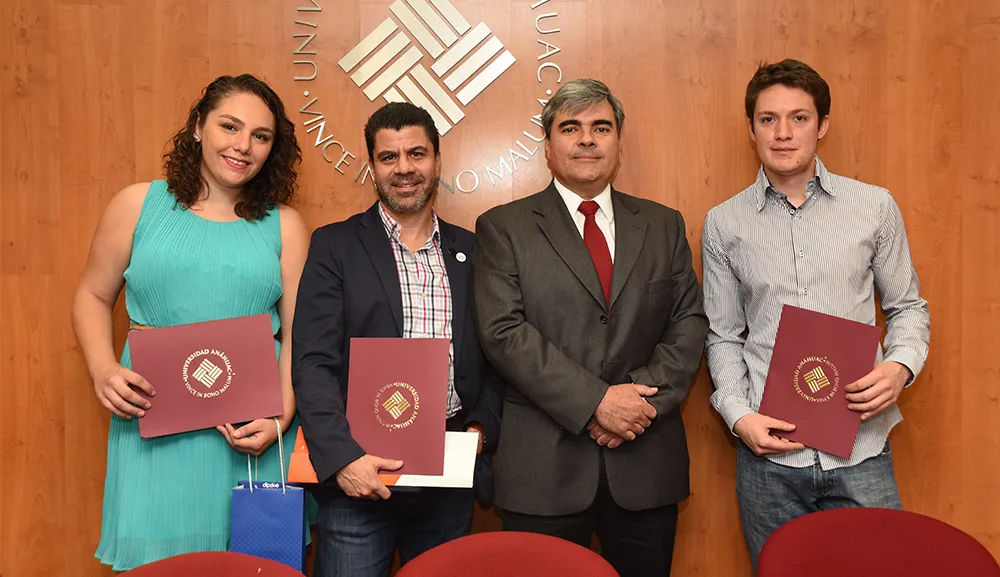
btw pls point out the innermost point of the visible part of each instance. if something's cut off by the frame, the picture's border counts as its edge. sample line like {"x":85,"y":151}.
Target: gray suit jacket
{"x":544,"y":325}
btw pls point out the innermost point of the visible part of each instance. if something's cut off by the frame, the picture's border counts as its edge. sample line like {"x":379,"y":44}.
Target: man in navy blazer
{"x":396,"y":270}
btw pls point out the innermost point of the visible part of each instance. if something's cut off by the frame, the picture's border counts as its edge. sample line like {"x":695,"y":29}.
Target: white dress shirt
{"x":605,"y":217}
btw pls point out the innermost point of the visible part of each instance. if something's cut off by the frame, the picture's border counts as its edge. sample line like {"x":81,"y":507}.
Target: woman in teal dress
{"x":215,"y":240}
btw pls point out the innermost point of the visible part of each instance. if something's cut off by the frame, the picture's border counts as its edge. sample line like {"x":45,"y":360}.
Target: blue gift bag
{"x":269,"y":518}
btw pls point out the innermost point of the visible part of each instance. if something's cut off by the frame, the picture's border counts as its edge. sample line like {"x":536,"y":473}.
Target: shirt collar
{"x":392,"y":227}
{"x":573,"y":200}
{"x":762,"y":184}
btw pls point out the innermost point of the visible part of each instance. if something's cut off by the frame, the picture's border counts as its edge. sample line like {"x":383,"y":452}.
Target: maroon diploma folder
{"x":207,"y":374}
{"x":396,"y":400}
{"x":815,"y":356}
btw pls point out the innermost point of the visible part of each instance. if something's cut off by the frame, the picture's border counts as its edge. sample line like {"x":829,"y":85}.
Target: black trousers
{"x":635,"y":543}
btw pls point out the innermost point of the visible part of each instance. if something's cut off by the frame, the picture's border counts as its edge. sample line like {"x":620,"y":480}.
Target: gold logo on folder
{"x":207,"y":373}
{"x":816,"y":379}
{"x":396,"y":405}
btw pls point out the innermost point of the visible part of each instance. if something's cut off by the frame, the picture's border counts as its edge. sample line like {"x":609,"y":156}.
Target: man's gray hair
{"x":580,"y":94}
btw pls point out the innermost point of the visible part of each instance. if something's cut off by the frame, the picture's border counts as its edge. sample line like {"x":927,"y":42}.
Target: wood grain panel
{"x":980,"y":296}
{"x":93,"y":89}
{"x":90,"y":37}
{"x":927,"y":55}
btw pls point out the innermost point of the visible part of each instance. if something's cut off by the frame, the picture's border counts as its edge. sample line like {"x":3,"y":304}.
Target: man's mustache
{"x":406,"y":180}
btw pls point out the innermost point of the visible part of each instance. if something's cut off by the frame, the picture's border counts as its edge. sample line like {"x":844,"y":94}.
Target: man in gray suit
{"x":588,"y":307}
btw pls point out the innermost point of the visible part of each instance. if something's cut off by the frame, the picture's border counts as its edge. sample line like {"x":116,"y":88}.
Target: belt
{"x":134,"y":326}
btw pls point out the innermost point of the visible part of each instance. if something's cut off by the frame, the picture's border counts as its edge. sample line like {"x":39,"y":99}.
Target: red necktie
{"x":598,"y":247}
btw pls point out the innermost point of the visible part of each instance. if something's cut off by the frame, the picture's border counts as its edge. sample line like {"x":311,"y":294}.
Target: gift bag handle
{"x":281,"y":460}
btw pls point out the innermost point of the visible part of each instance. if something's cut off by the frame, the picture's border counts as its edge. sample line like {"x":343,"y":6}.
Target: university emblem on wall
{"x":428,"y":53}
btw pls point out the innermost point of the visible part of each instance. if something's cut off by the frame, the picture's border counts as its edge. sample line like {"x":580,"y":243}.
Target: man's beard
{"x":410,"y":205}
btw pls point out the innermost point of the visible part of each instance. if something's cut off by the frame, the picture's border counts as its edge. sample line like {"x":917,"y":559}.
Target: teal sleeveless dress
{"x":170,"y":495}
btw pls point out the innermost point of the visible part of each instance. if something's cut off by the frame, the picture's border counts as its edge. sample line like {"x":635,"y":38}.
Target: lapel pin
{"x":460,"y":257}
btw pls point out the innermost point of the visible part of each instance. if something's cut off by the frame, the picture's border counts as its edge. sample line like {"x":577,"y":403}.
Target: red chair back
{"x":214,"y":564}
{"x":859,"y":542}
{"x":508,"y":554}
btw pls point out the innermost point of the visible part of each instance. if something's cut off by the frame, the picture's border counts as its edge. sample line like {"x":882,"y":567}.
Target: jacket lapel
{"x":630,"y":232}
{"x":458,"y":279}
{"x":560,"y":230}
{"x":376,"y":243}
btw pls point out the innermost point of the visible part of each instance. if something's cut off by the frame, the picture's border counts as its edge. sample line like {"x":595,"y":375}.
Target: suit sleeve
{"x":553,"y":382}
{"x":676,"y":357}
{"x":317,"y":343}
{"x":488,"y":406}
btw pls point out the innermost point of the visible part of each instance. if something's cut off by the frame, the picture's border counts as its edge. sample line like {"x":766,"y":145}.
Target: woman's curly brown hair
{"x":275,"y":183}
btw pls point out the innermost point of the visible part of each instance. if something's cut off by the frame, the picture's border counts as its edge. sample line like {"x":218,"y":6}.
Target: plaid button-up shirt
{"x":423,"y":282}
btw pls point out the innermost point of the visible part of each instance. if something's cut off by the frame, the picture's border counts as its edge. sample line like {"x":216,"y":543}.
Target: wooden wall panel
{"x":927,"y":59}
{"x":96,"y":153}
{"x":980,"y":293}
{"x":91,"y":90}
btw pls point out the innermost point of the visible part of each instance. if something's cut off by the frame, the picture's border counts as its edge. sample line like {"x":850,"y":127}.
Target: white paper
{"x":459,"y":464}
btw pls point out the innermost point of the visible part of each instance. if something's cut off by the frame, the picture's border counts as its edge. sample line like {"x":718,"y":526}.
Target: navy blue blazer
{"x":350,"y":288}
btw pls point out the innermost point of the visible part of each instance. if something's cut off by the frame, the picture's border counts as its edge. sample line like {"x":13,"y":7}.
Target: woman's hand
{"x":252,"y":438}
{"x":113,"y":390}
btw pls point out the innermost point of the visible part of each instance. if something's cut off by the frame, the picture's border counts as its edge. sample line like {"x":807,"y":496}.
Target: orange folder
{"x":300,"y":469}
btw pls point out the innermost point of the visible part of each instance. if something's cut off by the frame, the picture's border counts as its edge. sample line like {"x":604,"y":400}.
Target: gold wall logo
{"x":396,"y":405}
{"x":204,"y":381}
{"x":428,"y":27}
{"x":816,"y":379}
{"x":425,"y":52}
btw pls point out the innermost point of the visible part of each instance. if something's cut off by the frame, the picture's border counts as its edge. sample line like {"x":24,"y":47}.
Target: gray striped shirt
{"x":846,"y":241}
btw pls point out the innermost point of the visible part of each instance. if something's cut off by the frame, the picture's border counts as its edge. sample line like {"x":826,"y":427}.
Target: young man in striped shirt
{"x":804,"y":236}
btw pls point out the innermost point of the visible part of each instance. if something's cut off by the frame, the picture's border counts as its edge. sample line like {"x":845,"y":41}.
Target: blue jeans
{"x":357,"y":537}
{"x":771,"y":495}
